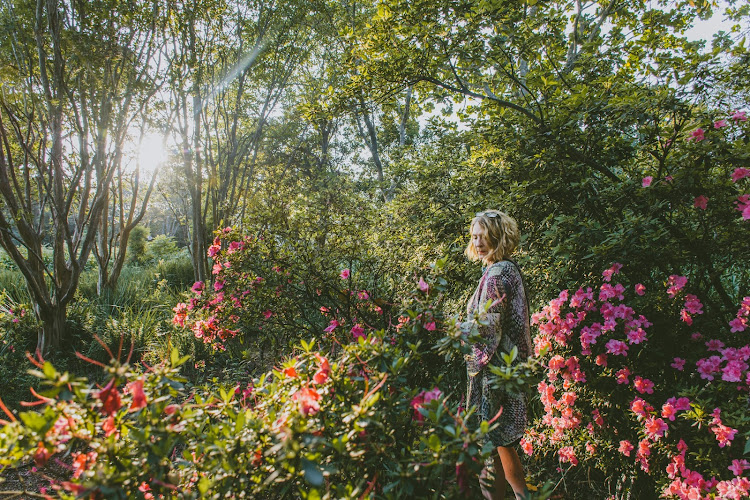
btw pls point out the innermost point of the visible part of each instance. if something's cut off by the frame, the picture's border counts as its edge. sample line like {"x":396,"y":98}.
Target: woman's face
{"x":480,"y":241}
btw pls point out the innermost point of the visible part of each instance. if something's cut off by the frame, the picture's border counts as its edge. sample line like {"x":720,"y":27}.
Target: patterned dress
{"x":501,"y":286}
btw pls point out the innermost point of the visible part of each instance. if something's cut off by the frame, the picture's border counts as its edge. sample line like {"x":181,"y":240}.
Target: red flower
{"x":422,"y":399}
{"x":139,"y":397}
{"x":324,"y":369}
{"x":42,"y":455}
{"x":740,"y":173}
{"x":307,"y":398}
{"x":700,"y":202}
{"x":109,"y":426}
{"x":110,"y":398}
{"x":696,"y":135}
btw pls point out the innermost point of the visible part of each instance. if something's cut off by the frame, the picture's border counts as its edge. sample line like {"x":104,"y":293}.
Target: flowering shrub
{"x":612,"y":401}
{"x":373,"y":417}
{"x":263,"y":293}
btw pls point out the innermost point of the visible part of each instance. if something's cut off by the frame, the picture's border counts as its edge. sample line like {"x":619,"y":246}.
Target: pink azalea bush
{"x":613,"y":402}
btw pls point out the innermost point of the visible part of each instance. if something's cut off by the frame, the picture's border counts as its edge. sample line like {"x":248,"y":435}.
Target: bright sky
{"x":705,"y":30}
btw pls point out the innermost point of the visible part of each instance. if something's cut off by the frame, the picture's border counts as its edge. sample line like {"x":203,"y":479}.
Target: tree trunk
{"x":52,"y":330}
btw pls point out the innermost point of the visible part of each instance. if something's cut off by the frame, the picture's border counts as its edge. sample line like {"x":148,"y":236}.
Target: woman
{"x":501,"y":293}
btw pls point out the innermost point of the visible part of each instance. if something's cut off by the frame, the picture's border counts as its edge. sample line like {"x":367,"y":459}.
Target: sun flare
{"x":152,"y":153}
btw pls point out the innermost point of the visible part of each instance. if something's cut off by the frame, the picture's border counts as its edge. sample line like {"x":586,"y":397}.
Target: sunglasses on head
{"x":491,"y":215}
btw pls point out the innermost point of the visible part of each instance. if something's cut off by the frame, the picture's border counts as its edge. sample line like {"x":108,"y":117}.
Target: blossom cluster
{"x":597,"y":395}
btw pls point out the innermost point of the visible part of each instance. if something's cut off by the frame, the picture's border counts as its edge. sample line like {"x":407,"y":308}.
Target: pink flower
{"x":655,"y":428}
{"x":646,"y":181}
{"x":643,"y":385}
{"x":739,"y":116}
{"x":625,"y":447}
{"x":568,"y":398}
{"x":197,"y":287}
{"x":636,"y":336}
{"x":743,"y":205}
{"x":363,"y":295}
{"x":640,"y":407}
{"x":601,"y":360}
{"x":597,"y":417}
{"x":724,"y":434}
{"x":700,"y":202}
{"x":345,"y":274}
{"x":423,"y":285}
{"x":527,"y":446}
{"x":218,"y":285}
{"x":180,"y":312}
{"x":693,"y":304}
{"x":640,"y":289}
{"x":720,"y":123}
{"x":668,"y":411}
{"x":682,"y":404}
{"x":740,"y":173}
{"x":733,"y":371}
{"x":696,"y":135}
{"x":678,"y":364}
{"x":422,"y":399}
{"x":739,"y":466}
{"x":617,"y":347}
{"x":213,"y":250}
{"x":738,"y":325}
{"x":358,"y":332}
{"x":267,"y":313}
{"x":708,"y":366}
{"x":684,"y":316}
{"x":622,"y":376}
{"x":568,"y":454}
{"x":430,"y":327}
{"x":714,"y":345}
{"x":307,"y":398}
{"x":331,"y":326}
{"x":677,"y":283}
{"x":608,"y":273}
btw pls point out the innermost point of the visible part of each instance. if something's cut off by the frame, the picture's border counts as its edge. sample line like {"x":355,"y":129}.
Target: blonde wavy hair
{"x":502,"y":234}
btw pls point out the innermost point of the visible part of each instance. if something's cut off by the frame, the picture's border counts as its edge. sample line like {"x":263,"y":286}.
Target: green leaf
{"x":203,"y":485}
{"x":49,"y":370}
{"x":33,"y":420}
{"x":240,"y":423}
{"x":747,"y":447}
{"x":434,"y":442}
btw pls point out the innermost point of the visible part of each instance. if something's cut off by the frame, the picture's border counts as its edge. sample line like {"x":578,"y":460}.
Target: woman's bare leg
{"x":511,"y":469}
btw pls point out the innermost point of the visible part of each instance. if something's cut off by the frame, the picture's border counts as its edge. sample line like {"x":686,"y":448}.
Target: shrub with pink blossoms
{"x":654,"y":405}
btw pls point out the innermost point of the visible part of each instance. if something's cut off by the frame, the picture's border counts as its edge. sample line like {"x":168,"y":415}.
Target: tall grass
{"x":138,"y":311}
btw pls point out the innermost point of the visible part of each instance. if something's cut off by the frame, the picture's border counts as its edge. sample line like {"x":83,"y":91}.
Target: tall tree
{"x":230,"y":63}
{"x":54,"y":176}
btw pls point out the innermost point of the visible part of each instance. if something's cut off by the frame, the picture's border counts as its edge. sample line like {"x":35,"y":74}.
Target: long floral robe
{"x":501,"y":286}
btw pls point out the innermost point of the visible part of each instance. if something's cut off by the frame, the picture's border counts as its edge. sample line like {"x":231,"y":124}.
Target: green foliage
{"x":352,"y":419}
{"x":137,"y":244}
